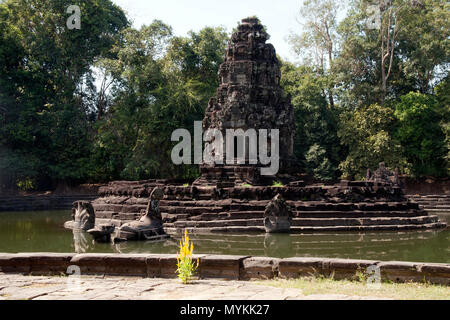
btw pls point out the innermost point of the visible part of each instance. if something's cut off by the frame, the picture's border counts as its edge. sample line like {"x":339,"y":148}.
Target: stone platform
{"x":234,"y":197}
{"x":220,"y":267}
{"x":433,"y":202}
{"x":348,"y":206}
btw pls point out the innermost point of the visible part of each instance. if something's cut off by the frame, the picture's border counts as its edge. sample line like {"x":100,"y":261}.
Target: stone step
{"x":434,"y":206}
{"x":308,"y":222}
{"x":120,"y":208}
{"x":237,"y":215}
{"x":217,"y":223}
{"x":105,"y":214}
{"x":190,"y":210}
{"x":392,"y":227}
{"x":363,"y":221}
{"x":437,"y":210}
{"x":431,"y":196}
{"x":443,"y":207}
{"x":297,"y":229}
{"x":358,"y":214}
{"x":320,"y":206}
{"x":194,"y":203}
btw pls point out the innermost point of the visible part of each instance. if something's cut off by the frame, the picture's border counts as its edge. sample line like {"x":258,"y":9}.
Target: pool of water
{"x":43,"y":231}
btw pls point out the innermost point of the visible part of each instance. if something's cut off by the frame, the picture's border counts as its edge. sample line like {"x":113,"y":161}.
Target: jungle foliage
{"x":100,"y":103}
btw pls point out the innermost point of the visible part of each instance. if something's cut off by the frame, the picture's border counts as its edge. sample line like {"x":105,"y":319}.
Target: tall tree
{"x":316,"y":142}
{"x":367,"y":135}
{"x":420,"y":132}
{"x":380,"y":63}
{"x":319,"y":38}
{"x":169,"y":80}
{"x":46,"y":124}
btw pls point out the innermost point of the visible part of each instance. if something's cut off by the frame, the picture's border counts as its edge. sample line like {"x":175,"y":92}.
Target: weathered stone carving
{"x":102,"y":232}
{"x":150,"y":225}
{"x":250,"y":97}
{"x":383,"y":175}
{"x":83,"y":216}
{"x":277,"y":216}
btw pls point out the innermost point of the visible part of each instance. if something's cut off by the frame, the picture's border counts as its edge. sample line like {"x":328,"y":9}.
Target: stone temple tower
{"x":249,"y":97}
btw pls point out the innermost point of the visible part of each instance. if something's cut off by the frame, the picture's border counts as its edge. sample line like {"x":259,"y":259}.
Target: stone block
{"x":49,"y":263}
{"x":216,"y":266}
{"x":153,"y":265}
{"x":168,"y":266}
{"x":398,"y":271}
{"x":129,"y":265}
{"x":259,"y":268}
{"x":90,"y":263}
{"x":346,"y":268}
{"x":436,"y":273}
{"x":296,"y":267}
{"x":15,"y":263}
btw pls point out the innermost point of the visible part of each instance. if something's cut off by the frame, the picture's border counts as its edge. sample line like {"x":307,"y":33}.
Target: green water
{"x":44,"y":232}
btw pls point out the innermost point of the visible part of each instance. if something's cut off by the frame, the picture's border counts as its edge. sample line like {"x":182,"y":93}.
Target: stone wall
{"x":41,"y":202}
{"x":426,"y":186}
{"x":222,"y":267}
{"x":347,"y":206}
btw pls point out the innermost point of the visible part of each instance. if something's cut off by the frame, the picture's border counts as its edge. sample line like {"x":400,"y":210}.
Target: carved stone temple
{"x":250,"y":97}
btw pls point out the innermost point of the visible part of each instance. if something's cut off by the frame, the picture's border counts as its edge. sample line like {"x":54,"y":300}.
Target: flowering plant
{"x":185,"y":263}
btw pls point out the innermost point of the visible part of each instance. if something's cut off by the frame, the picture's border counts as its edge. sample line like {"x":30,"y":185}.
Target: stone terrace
{"x":349,"y":206}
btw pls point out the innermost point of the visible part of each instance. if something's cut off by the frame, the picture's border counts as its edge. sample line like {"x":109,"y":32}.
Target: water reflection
{"x":169,"y":245}
{"x":44,"y":232}
{"x":278,"y":245}
{"x":81,"y":241}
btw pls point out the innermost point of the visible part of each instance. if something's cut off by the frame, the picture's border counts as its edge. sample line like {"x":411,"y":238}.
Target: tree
{"x":47,"y":111}
{"x":378,"y":65}
{"x":442,"y":92}
{"x":319,"y":38}
{"x":424,"y":58}
{"x":316,"y":142}
{"x":160,"y":83}
{"x":367,"y":135}
{"x":420,"y":133}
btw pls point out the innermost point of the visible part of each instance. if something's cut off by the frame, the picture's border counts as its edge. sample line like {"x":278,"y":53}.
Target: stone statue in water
{"x":277,"y":216}
{"x":149,"y":226}
{"x":83,"y":216}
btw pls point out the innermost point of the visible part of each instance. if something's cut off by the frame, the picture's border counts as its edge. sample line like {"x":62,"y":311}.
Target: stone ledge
{"x":259,"y":268}
{"x":35,"y":263}
{"x":217,"y":266}
{"x":220,"y":266}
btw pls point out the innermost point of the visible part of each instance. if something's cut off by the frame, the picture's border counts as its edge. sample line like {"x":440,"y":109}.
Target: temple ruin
{"x":249,"y":97}
{"x":235,"y":198}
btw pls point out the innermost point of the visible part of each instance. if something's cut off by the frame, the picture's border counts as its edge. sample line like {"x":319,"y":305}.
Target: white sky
{"x":280,"y":17}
